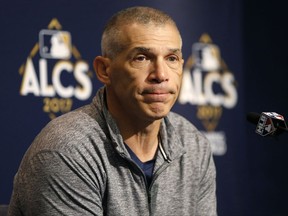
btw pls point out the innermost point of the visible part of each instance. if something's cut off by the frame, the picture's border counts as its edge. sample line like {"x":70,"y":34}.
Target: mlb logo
{"x":207,"y":56}
{"x":54,"y":44}
{"x":265,"y":126}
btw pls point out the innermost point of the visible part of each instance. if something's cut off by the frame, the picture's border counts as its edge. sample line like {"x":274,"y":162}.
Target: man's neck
{"x":143,"y":141}
{"x":144,"y":147}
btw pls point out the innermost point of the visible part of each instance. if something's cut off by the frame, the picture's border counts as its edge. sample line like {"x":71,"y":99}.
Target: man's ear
{"x":102,"y":66}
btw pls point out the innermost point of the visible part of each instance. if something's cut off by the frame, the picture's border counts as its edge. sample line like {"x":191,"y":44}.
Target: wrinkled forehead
{"x":151,"y":33}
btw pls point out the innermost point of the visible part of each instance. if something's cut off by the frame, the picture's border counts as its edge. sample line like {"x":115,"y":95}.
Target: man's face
{"x":145,"y":77}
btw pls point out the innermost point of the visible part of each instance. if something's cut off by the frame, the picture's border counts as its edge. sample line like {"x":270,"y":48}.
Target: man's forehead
{"x":150,"y":38}
{"x":138,"y":29}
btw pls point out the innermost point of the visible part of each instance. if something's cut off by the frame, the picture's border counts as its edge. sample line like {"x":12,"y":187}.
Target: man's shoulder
{"x":68,"y":129}
{"x":72,"y":120}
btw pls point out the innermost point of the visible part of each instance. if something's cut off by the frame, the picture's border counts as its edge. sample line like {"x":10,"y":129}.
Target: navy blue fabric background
{"x":265,"y":74}
{"x":251,"y":175}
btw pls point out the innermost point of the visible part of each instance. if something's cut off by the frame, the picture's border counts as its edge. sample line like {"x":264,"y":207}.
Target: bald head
{"x":111,"y":44}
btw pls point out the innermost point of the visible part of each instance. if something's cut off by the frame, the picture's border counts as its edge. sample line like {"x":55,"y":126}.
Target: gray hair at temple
{"x":111,"y":45}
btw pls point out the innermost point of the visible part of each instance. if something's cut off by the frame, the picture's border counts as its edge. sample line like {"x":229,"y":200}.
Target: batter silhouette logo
{"x":55,"y":72}
{"x":209,"y":85}
{"x":55,"y":44}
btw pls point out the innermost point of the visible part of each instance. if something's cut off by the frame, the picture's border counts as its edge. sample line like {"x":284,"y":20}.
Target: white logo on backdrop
{"x":58,"y":74}
{"x":208,"y":84}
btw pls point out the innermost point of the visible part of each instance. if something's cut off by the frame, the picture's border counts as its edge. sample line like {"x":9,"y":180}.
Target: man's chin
{"x":156,"y":111}
{"x":157,"y":114}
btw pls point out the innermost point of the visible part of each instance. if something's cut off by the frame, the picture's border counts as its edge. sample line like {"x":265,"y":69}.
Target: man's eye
{"x":140,"y":61}
{"x":172,"y":58}
{"x":140,"y":58}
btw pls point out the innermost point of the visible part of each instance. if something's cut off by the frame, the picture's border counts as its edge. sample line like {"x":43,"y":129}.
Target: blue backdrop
{"x":223,"y":48}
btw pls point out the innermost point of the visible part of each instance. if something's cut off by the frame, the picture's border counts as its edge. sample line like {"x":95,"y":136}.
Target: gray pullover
{"x":78,"y":165}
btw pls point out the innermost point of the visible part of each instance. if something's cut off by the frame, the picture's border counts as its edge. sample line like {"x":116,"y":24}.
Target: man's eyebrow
{"x":176,"y":51}
{"x":141,"y":49}
{"x":146,"y":49}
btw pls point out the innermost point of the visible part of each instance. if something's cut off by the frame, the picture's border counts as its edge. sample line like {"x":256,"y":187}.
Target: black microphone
{"x":268,"y":123}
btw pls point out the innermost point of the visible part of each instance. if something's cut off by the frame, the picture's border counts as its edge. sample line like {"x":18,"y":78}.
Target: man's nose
{"x":159,"y":72}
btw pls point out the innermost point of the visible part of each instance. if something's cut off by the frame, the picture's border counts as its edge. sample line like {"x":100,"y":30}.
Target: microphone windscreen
{"x":253,"y":117}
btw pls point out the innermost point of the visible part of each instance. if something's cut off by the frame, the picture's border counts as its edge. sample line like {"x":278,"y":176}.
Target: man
{"x":125,"y":153}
